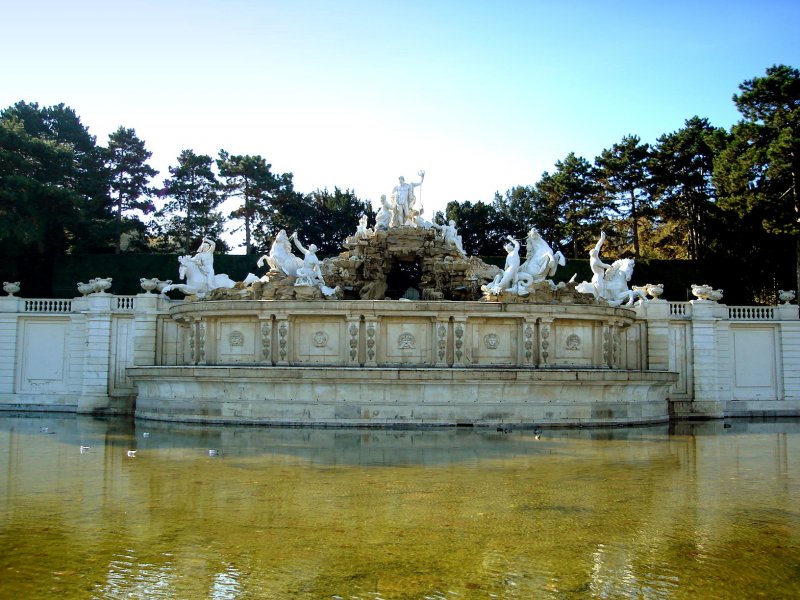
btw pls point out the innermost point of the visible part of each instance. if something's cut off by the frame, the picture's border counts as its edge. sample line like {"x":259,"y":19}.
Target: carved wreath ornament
{"x":320,"y":339}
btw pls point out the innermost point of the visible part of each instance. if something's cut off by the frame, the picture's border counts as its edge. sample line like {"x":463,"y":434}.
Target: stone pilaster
{"x":191,"y":340}
{"x":790,"y":352}
{"x":145,"y":318}
{"x":441,"y":328}
{"x":545,"y":341}
{"x":283,"y":348}
{"x":353,"y":340}
{"x":201,"y":341}
{"x":605,"y":336}
{"x":266,"y":340}
{"x":371,"y":333}
{"x":459,"y":341}
{"x":97,"y":359}
{"x":707,"y":365}
{"x":9,"y":307}
{"x":528,"y":337}
{"x":656,"y":312}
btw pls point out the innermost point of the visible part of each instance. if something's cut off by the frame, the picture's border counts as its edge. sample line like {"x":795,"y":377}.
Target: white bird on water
{"x":213,"y":452}
{"x":85,"y":449}
{"x":131,"y":453}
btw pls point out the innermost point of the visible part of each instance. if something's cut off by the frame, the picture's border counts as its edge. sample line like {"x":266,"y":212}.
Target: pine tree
{"x":758,"y":172}
{"x":191,"y":212}
{"x":126,"y":159}
{"x":623,"y":172}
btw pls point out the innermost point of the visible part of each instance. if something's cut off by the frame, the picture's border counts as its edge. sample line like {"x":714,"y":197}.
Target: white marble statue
{"x":310,"y":273}
{"x":385,"y":215}
{"x":403,"y":200}
{"x":610,"y":282}
{"x":362,"y":229}
{"x":540,"y":260}
{"x":198,"y":271}
{"x":196,"y":280}
{"x":204,"y":258}
{"x":421,"y":221}
{"x":280,"y":257}
{"x":505,"y":280}
{"x":450,"y":236}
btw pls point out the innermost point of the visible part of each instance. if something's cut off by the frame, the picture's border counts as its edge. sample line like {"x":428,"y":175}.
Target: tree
{"x":250,"y":178}
{"x":573,"y":194}
{"x":86,"y":222}
{"x":331,"y":217}
{"x":477,"y":224}
{"x":37,"y":208}
{"x":682,"y":165}
{"x":622,"y":170}
{"x":757,"y":173}
{"x":191,"y":213}
{"x":126,"y":159}
{"x":523,"y":208}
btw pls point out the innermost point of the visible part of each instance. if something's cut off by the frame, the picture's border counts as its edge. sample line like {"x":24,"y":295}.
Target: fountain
{"x":401,"y":329}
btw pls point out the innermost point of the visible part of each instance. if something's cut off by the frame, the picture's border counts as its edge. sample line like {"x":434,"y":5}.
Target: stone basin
{"x":402,"y":363}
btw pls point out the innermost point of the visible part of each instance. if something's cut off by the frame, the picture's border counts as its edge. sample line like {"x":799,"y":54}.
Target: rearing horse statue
{"x":197,"y":283}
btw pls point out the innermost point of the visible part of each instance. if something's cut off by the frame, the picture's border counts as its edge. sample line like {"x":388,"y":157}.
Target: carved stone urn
{"x":715,"y":295}
{"x":100,"y":284}
{"x":162,"y":283}
{"x":148,"y":284}
{"x":85,"y":288}
{"x":11,"y":287}
{"x":654,"y":290}
{"x":786,"y":296}
{"x":702,"y":292}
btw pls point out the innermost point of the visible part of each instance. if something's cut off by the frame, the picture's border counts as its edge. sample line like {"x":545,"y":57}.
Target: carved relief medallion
{"x":320,"y":339}
{"x":573,"y":342}
{"x":491,"y":340}
{"x":236,"y":338}
{"x":406,"y":341}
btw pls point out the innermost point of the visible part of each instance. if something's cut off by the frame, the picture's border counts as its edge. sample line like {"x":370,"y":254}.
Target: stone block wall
{"x":72,"y":354}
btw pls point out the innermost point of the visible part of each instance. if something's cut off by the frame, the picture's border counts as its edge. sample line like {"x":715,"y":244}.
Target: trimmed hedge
{"x":59,"y":279}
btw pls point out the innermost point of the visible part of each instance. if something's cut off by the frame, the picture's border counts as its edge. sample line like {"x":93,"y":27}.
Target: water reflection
{"x":678,"y":511}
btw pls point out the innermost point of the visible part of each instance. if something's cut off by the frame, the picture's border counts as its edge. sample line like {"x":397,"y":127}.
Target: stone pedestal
{"x":95,"y":391}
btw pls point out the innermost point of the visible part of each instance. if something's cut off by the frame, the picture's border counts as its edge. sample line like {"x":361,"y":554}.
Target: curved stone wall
{"x":407,"y":334}
{"x":390,"y":363}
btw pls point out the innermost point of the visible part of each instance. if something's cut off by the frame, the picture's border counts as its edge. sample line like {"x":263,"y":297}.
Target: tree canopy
{"x":694,"y":193}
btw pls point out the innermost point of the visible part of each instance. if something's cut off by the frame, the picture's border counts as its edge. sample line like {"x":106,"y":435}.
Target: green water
{"x":696,"y":511}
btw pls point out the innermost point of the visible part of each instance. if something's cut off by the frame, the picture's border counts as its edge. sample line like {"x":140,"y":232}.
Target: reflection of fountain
{"x":460,"y":342}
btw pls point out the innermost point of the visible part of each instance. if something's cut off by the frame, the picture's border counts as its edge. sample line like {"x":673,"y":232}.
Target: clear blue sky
{"x":482,"y":95}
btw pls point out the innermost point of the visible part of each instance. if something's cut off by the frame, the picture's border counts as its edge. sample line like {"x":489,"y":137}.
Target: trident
{"x":422,"y":178}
